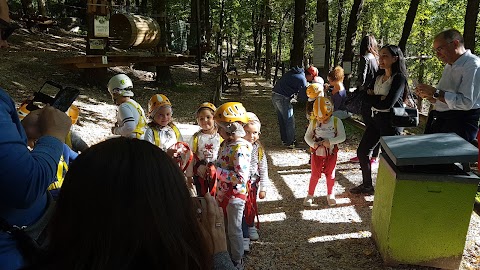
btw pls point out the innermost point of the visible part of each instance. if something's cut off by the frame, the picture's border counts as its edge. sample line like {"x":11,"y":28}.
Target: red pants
{"x":325,"y":165}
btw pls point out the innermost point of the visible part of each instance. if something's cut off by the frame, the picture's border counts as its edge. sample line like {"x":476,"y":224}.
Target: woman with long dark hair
{"x":124,"y":204}
{"x":390,"y":90}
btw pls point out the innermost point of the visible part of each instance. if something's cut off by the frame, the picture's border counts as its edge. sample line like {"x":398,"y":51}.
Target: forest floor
{"x":291,"y":236}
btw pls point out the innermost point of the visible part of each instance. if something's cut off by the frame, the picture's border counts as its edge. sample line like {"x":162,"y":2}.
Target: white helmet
{"x":120,"y":84}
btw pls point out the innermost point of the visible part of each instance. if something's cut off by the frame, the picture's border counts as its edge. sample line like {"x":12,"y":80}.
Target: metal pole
{"x":199,"y":46}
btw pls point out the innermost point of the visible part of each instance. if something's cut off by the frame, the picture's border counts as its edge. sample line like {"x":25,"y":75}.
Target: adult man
{"x":131,"y":120}
{"x":456,"y":97}
{"x":25,"y":175}
{"x":290,"y":84}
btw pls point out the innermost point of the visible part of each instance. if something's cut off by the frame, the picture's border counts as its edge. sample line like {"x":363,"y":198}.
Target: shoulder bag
{"x":405,"y":116}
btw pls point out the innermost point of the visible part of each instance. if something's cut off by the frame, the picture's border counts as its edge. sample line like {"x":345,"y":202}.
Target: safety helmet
{"x":23,"y":111}
{"x":155,"y":102}
{"x":73,"y":113}
{"x":312,"y":71}
{"x":120,"y":84}
{"x":314,"y":90}
{"x":207,"y":105}
{"x":231,"y":112}
{"x":253,"y":119}
{"x":322,"y":108}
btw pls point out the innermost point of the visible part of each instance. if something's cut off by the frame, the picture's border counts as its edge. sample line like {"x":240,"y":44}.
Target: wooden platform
{"x":95,"y":61}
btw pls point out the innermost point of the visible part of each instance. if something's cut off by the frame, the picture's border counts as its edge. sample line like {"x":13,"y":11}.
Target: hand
{"x":326,"y":143}
{"x":53,"y":122}
{"x":172,"y":152}
{"x":213,"y":225}
{"x":262,"y":194}
{"x":425,"y":90}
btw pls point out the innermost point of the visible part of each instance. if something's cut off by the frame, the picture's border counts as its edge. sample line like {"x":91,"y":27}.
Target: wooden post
{"x":98,"y":15}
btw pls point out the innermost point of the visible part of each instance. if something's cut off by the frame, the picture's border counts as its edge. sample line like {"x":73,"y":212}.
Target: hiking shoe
{"x":239,"y":265}
{"x":331,"y":200}
{"x":246,"y":245}
{"x":361,"y":189}
{"x":252,"y":231}
{"x":308,"y":201}
{"x":354,"y":160}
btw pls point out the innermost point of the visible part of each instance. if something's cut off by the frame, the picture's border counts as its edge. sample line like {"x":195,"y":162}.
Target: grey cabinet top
{"x":440,"y":148}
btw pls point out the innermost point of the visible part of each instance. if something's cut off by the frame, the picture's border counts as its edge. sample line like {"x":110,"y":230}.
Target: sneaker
{"x":239,"y":265}
{"x":361,"y":189}
{"x":308,"y":201}
{"x":354,"y":160}
{"x":252,"y":231}
{"x":246,"y":245}
{"x":331,"y":200}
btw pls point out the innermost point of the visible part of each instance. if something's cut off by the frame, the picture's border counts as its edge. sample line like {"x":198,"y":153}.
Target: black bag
{"x":406,"y":116}
{"x":31,"y":240}
{"x":354,"y":101}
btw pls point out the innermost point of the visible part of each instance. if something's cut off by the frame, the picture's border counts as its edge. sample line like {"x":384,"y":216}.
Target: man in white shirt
{"x":456,"y":97}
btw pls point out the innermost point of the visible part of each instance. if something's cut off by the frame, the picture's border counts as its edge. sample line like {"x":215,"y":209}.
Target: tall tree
{"x":208,"y":25}
{"x":407,"y":26}
{"x":338,"y":36}
{"x":322,"y":16}
{"x":296,"y":55}
{"x":471,"y":16}
{"x":164,"y":76}
{"x":268,"y":38}
{"x":351,"y":35}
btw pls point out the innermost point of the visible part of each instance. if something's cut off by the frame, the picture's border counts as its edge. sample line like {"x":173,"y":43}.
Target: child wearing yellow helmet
{"x":233,"y":172}
{"x":161,"y":131}
{"x":204,"y":145}
{"x":323,"y":135}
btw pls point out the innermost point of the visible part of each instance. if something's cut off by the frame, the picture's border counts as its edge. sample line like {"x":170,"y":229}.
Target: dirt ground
{"x":291,"y":236}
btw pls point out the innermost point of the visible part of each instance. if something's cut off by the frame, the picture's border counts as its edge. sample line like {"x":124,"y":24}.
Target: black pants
{"x":463,"y":123}
{"x":367,"y":119}
{"x":378,"y":127}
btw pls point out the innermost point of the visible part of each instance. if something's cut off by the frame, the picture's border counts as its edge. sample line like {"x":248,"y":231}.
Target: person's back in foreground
{"x":139,"y":215}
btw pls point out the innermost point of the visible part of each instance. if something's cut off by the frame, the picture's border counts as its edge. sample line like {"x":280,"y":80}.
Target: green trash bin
{"x":423,"y":199}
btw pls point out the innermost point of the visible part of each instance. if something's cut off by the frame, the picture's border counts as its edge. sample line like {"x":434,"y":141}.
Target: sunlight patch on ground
{"x":346,"y":214}
{"x":279,"y":160}
{"x":328,"y":238}
{"x":273,"y":217}
{"x":298,"y":184}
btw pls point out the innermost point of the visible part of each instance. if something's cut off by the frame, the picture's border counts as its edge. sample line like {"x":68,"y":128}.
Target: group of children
{"x":228,"y":160}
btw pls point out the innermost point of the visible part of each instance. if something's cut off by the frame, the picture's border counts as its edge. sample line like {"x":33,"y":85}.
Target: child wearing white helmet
{"x":323,"y":135}
{"x":232,"y":172}
{"x":131,"y":121}
{"x":161,"y":131}
{"x":258,"y":179}
{"x":204,"y":145}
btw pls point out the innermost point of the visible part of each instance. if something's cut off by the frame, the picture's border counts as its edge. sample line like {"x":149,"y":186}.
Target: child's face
{"x":252,"y":132}
{"x":223,"y":133}
{"x":205,"y":119}
{"x":163,"y":116}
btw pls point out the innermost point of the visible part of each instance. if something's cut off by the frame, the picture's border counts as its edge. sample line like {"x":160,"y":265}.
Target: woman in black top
{"x":389,"y":91}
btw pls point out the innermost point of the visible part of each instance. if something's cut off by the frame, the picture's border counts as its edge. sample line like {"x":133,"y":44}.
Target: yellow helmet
{"x":322,"y":108}
{"x":314,"y":90}
{"x":23,"y":111}
{"x":155,"y":102}
{"x":73,"y":112}
{"x":231,"y":112}
{"x":207,"y":105}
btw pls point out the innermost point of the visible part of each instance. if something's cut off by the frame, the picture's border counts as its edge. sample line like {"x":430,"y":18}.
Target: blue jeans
{"x":234,"y":227}
{"x":286,"y":119}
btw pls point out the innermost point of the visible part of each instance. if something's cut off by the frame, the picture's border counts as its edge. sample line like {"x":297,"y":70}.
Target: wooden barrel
{"x":129,"y":30}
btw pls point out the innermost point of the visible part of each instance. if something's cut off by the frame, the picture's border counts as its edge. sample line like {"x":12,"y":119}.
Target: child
{"x":161,"y":131}
{"x":73,"y":140}
{"x":313,"y":91}
{"x":204,"y":145}
{"x":233,"y":172}
{"x":323,"y":134}
{"x":339,"y":94}
{"x":257,"y":181}
{"x":131,"y":121}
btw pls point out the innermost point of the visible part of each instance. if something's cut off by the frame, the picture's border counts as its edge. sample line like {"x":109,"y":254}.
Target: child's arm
{"x":310,"y":133}
{"x":263,"y":171}
{"x":340,"y":133}
{"x":241,"y":164}
{"x":128,"y":124}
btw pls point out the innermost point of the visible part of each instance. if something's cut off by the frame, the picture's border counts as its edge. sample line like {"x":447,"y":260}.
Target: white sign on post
{"x":101,"y":26}
{"x":319,"y":55}
{"x":319,"y":33}
{"x":347,"y":67}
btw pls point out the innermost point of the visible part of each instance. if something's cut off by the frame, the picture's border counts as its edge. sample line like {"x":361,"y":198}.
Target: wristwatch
{"x":436,"y":95}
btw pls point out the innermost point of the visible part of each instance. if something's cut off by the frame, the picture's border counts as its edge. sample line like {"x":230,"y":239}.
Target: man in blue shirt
{"x":456,"y":97}
{"x":290,"y":84}
{"x":25,"y":175}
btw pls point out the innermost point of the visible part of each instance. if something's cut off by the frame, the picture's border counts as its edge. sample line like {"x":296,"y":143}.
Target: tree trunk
{"x":42,"y":10}
{"x":470,"y":24}
{"x":163,"y":76}
{"x":350,"y":36}
{"x":322,"y":16}
{"x":208,"y":25}
{"x":407,"y":26}
{"x":268,"y":37}
{"x":219,"y":33}
{"x":338,"y":37}
{"x":296,"y":56}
